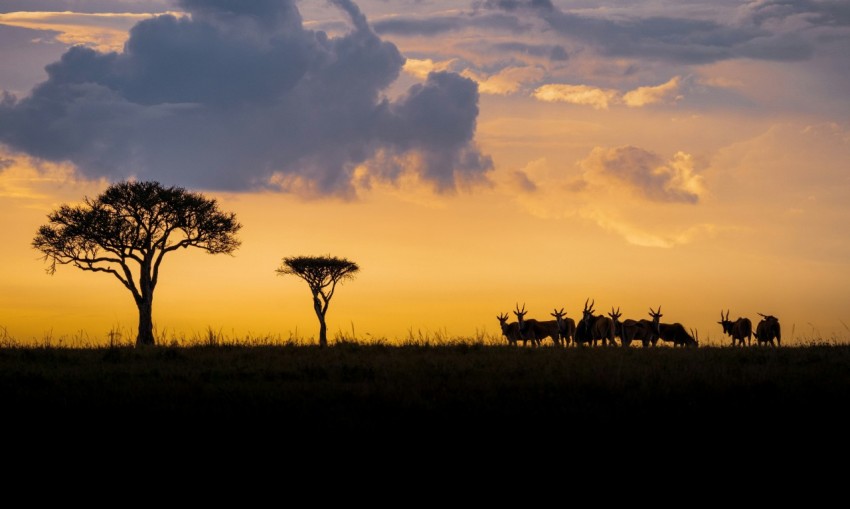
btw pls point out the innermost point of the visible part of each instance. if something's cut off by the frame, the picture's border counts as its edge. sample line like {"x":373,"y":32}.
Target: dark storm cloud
{"x":818,"y":12}
{"x":437,"y":121}
{"x":241,"y":93}
{"x":554,"y":53}
{"x":436,"y":25}
{"x":684,"y":40}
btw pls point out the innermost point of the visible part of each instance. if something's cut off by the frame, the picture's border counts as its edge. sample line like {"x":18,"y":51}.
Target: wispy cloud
{"x":643,"y":96}
{"x":645,"y":173}
{"x":602,"y":99}
{"x":645,"y":237}
{"x":598,"y":98}
{"x":506,"y":81}
{"x":101,"y":31}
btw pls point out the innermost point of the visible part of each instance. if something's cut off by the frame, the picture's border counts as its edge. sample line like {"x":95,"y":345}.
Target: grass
{"x":426,"y":383}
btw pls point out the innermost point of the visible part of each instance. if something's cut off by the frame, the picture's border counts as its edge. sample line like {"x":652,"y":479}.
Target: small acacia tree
{"x":322,"y":273}
{"x":132,"y":225}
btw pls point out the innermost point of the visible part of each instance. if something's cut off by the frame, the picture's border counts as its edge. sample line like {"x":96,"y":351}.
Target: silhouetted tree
{"x":322,"y":273}
{"x":133,"y":225}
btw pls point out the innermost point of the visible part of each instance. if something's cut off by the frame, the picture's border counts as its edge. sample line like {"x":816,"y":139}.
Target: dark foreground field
{"x":462,"y":388}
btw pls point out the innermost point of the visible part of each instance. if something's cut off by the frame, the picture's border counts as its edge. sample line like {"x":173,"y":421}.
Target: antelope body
{"x":768,"y":329}
{"x":645,"y":331}
{"x":510,"y":330}
{"x":536,"y":330}
{"x":739,"y":329}
{"x":566,"y":326}
{"x":593,"y":328}
{"x":675,"y":333}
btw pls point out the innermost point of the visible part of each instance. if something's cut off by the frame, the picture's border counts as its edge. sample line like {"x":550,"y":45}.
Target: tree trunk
{"x":323,"y":328}
{"x":145,"y":336}
{"x":323,"y":332}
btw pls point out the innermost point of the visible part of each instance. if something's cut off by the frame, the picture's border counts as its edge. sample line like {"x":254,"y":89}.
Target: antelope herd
{"x":594,"y":329}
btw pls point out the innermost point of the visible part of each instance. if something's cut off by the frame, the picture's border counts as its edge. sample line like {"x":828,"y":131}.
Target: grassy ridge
{"x":466,"y":388}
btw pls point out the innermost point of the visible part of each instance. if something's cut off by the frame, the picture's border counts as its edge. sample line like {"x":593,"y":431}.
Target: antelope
{"x":618,"y":326}
{"x":768,"y":329}
{"x":566,"y":326}
{"x":739,"y":329}
{"x":644,"y":330}
{"x":535,"y":330}
{"x":592,"y":328}
{"x":510,"y":330}
{"x":695,"y":335}
{"x":675,"y":333}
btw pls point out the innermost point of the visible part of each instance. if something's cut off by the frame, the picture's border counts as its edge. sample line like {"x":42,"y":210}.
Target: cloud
{"x":454,"y":22}
{"x":521,"y":181}
{"x":649,"y":95}
{"x":31,"y":182}
{"x":100,"y":31}
{"x":645,"y":173}
{"x":686,"y":38}
{"x":645,"y":237}
{"x":507,"y":81}
{"x":602,"y":99}
{"x":239,"y":95}
{"x":554,"y":53}
{"x":421,"y":68}
{"x":598,"y":98}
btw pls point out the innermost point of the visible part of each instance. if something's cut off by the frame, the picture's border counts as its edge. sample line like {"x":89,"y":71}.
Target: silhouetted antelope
{"x":695,"y":335}
{"x":510,"y":330}
{"x":768,"y":329}
{"x":675,"y":333}
{"x":618,"y":326}
{"x":593,"y":328}
{"x":645,"y":331}
{"x":566,"y":326}
{"x":739,"y":329}
{"x":536,"y":330}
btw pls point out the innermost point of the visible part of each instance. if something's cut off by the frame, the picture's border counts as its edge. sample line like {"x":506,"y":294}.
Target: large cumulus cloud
{"x":239,"y":95}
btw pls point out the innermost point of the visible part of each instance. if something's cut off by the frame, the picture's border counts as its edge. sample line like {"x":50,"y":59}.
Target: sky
{"x":469,"y":156}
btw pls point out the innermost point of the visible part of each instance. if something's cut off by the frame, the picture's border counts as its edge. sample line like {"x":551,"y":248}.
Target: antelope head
{"x":588,"y":311}
{"x":656,"y":319}
{"x":503,"y":318}
{"x":520,"y":313}
{"x":559,"y":315}
{"x":615,"y":314}
{"x":695,"y":335}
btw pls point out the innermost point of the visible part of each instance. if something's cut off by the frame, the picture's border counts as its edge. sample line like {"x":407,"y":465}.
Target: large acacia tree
{"x":126,"y":232}
{"x":322,"y":273}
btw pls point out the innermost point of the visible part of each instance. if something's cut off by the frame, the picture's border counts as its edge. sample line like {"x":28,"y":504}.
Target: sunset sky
{"x":469,"y":156}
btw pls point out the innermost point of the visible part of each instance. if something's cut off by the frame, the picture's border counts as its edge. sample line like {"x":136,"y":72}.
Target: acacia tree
{"x":322,"y":273}
{"x":132,"y":225}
